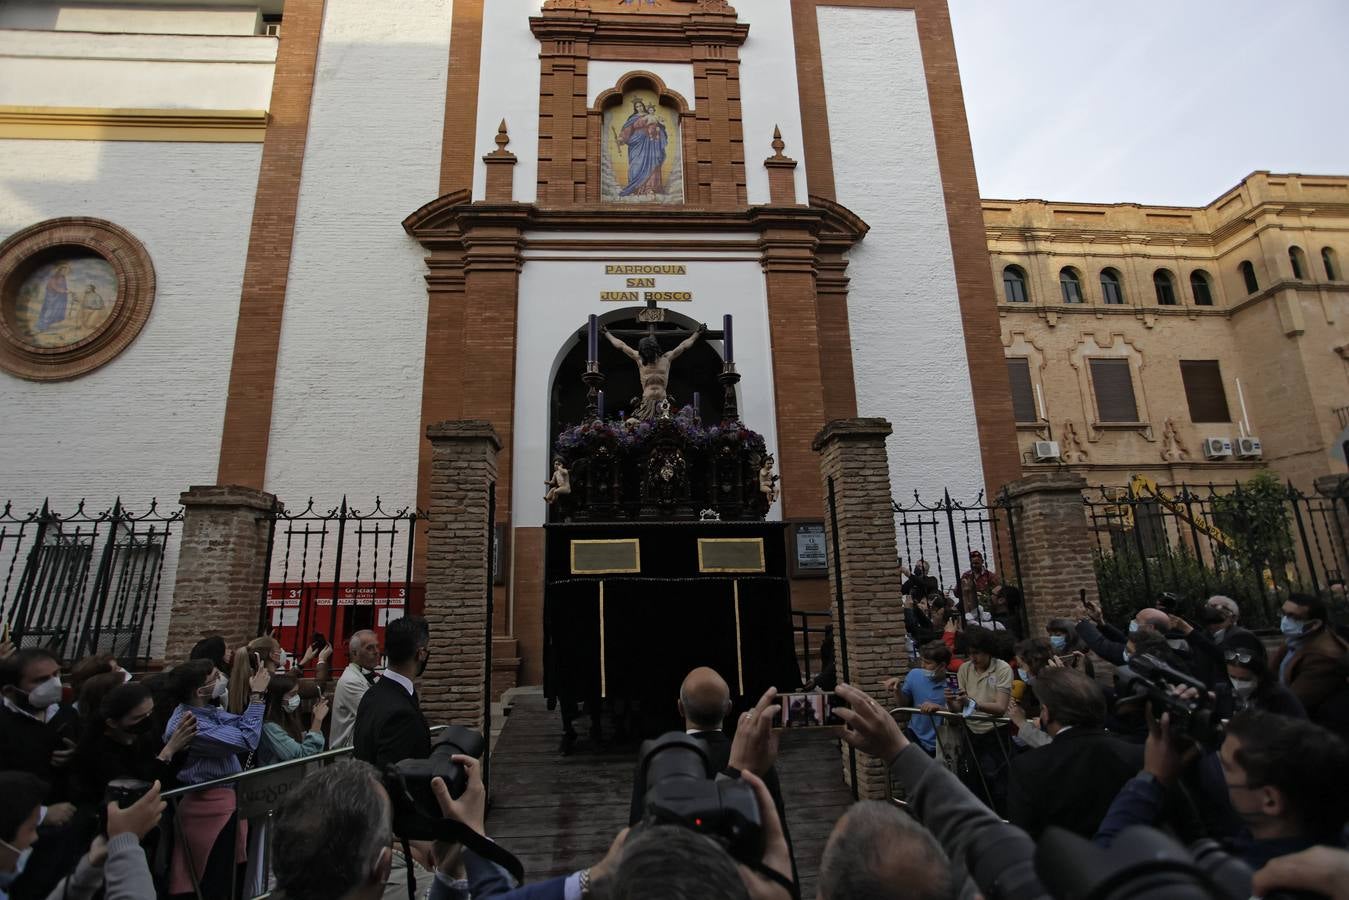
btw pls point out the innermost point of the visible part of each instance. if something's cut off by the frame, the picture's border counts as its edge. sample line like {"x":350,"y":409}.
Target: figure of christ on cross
{"x":653,"y":367}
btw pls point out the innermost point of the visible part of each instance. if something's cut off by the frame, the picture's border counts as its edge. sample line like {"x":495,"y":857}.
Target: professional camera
{"x":1147,"y":678}
{"x":1142,"y":862}
{"x":416,"y":813}
{"x":680,"y":791}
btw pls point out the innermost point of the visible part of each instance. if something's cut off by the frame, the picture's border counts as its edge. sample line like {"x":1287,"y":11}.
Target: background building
{"x":1137,"y":336}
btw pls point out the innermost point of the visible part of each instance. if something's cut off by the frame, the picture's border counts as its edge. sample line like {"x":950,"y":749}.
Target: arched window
{"x":1014,"y":285}
{"x":1199,"y":287}
{"x":1071,"y":285}
{"x":1298,"y":261}
{"x":1248,"y":273}
{"x":1166,"y":289}
{"x":1332,"y":266}
{"x":1111,"y":290}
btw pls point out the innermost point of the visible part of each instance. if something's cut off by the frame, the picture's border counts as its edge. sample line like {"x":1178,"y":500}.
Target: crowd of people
{"x":1022,"y":765}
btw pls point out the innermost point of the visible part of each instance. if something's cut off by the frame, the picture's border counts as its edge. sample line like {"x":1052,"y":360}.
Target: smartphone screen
{"x":952,"y":683}
{"x":813,"y":710}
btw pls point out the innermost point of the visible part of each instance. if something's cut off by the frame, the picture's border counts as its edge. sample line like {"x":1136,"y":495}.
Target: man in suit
{"x":389,"y":722}
{"x":357,"y":678}
{"x":1072,"y":781}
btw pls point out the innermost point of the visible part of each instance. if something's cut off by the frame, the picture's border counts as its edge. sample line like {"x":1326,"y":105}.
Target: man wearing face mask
{"x":1311,"y":664}
{"x":1072,"y":781}
{"x":1108,"y":643}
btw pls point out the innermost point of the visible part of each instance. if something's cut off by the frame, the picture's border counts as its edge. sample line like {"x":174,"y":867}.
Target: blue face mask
{"x":1133,"y":627}
{"x":1058,"y":642}
{"x":1292,"y":628}
{"x":1029,"y":679}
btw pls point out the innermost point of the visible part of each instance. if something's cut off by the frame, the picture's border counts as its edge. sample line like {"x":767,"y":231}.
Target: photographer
{"x":1108,"y":642}
{"x":114,"y":862}
{"x":876,"y":852}
{"x":1284,"y":780}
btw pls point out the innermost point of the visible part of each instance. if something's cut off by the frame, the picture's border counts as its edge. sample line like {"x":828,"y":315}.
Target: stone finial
{"x":781,"y":173}
{"x":500,"y":168}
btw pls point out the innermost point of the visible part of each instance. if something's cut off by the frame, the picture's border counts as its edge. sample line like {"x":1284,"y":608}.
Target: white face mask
{"x":46,"y":693}
{"x":291,"y":704}
{"x":1243,"y":687}
{"x":220,"y":688}
{"x":8,"y":878}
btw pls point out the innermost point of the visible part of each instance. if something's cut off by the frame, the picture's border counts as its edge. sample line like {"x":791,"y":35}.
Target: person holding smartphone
{"x":925,"y":689}
{"x":985,"y":686}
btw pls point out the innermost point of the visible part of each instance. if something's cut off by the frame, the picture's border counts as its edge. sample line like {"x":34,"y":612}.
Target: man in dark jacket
{"x":1313,"y":663}
{"x":389,"y":723}
{"x":1071,"y":781}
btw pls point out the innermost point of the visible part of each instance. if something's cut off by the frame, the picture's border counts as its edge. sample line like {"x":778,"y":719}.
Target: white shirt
{"x":399,"y":679}
{"x":351,"y":687}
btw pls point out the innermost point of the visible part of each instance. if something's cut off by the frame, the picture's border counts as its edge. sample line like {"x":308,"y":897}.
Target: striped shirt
{"x":221,"y":738}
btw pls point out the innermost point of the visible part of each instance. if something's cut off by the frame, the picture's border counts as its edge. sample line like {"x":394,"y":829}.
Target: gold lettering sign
{"x":730,"y":555}
{"x":645,"y":270}
{"x":645,"y":278}
{"x":612,"y":557}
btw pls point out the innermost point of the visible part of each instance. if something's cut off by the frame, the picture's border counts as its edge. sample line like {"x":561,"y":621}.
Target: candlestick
{"x":726,"y":341}
{"x":600,"y":405}
{"x":593,"y":340}
{"x":697,"y":405}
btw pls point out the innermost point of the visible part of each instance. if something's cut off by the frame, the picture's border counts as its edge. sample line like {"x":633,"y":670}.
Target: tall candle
{"x":593,"y":340}
{"x":600,"y":405}
{"x":726,"y":341}
{"x":697,"y":405}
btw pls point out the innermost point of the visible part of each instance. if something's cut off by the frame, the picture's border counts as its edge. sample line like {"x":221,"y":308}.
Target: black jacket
{"x":390,"y":726}
{"x":1070,"y":782}
{"x":27,"y":745}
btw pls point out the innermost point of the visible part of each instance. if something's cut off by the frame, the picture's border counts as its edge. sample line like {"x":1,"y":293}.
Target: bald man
{"x":705,"y":702}
{"x":1110,"y":643}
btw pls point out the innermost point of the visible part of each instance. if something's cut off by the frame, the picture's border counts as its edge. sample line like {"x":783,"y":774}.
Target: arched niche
{"x":695,"y":371}
{"x":641,"y":120}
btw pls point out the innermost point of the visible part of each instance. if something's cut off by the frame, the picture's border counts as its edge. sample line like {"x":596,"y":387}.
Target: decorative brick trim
{"x":248,"y":407}
{"x":969,"y":246}
{"x":500,"y":169}
{"x":48,"y":241}
{"x":781,"y":173}
{"x":458,"y":147}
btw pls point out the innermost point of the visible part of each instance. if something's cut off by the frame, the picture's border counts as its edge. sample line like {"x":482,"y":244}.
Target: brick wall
{"x":1055,"y":546}
{"x":852,"y":453}
{"x":463,"y":466}
{"x":221,"y":567}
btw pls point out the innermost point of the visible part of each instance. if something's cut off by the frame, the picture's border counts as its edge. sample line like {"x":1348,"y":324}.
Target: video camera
{"x":680,"y":791}
{"x":1149,"y":679}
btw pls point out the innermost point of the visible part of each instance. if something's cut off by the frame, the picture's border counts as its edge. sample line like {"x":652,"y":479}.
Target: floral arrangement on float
{"x":633,"y":436}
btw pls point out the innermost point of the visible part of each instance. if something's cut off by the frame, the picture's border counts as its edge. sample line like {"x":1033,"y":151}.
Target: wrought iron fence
{"x":336,"y":572}
{"x":945,"y":534}
{"x":86,"y":582}
{"x":1253,"y":542}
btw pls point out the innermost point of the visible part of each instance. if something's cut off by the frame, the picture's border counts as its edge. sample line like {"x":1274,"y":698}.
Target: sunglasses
{"x":1239,"y":656}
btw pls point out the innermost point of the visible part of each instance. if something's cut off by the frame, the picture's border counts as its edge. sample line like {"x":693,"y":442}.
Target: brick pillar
{"x":463,"y":466}
{"x":1055,"y":546}
{"x":852,"y":453}
{"x":222,"y":564}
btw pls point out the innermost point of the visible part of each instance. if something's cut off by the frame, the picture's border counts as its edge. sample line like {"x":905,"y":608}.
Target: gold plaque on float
{"x":730,"y":555}
{"x":612,"y":557}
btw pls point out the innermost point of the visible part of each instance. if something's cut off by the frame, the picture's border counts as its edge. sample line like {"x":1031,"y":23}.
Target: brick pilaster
{"x":852,"y":453}
{"x":1055,"y":546}
{"x":463,"y":466}
{"x":221,"y":567}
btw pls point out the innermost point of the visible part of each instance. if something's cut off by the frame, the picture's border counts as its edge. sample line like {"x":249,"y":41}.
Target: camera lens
{"x":673,"y":756}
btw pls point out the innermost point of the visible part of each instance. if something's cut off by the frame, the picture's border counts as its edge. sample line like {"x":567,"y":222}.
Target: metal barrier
{"x":943,"y":757}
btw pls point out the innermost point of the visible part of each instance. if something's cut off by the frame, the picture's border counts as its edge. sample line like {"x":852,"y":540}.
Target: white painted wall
{"x":135,"y":71}
{"x":347,"y":413}
{"x":131,"y":18}
{"x":768,"y":93}
{"x":908,"y":340}
{"x":146,"y":425}
{"x":508,"y":88}
{"x":557,"y":295}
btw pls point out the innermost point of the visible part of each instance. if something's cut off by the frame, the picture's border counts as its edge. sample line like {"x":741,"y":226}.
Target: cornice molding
{"x":75,"y":123}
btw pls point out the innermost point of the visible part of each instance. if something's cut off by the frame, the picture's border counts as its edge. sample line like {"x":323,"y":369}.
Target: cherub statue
{"x":559,"y":484}
{"x":768,"y":482}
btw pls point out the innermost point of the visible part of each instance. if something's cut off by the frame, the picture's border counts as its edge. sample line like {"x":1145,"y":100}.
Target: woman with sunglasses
{"x":1254,"y":686}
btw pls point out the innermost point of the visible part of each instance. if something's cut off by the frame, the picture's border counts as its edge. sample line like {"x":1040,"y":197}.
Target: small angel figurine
{"x":768,"y":482}
{"x":559,"y":484}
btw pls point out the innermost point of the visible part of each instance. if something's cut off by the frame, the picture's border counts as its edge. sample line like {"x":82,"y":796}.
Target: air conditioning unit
{"x":1047,"y":451}
{"x":1249,"y":448}
{"x":1217,"y":448}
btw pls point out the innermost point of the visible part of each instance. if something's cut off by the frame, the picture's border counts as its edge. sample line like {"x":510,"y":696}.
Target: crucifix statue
{"x":652,"y":365}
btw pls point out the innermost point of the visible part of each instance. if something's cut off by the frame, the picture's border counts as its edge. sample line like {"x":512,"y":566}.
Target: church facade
{"x":231,"y":258}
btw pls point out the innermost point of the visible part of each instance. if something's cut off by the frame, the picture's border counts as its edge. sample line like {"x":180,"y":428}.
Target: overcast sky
{"x":1152,"y":101}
